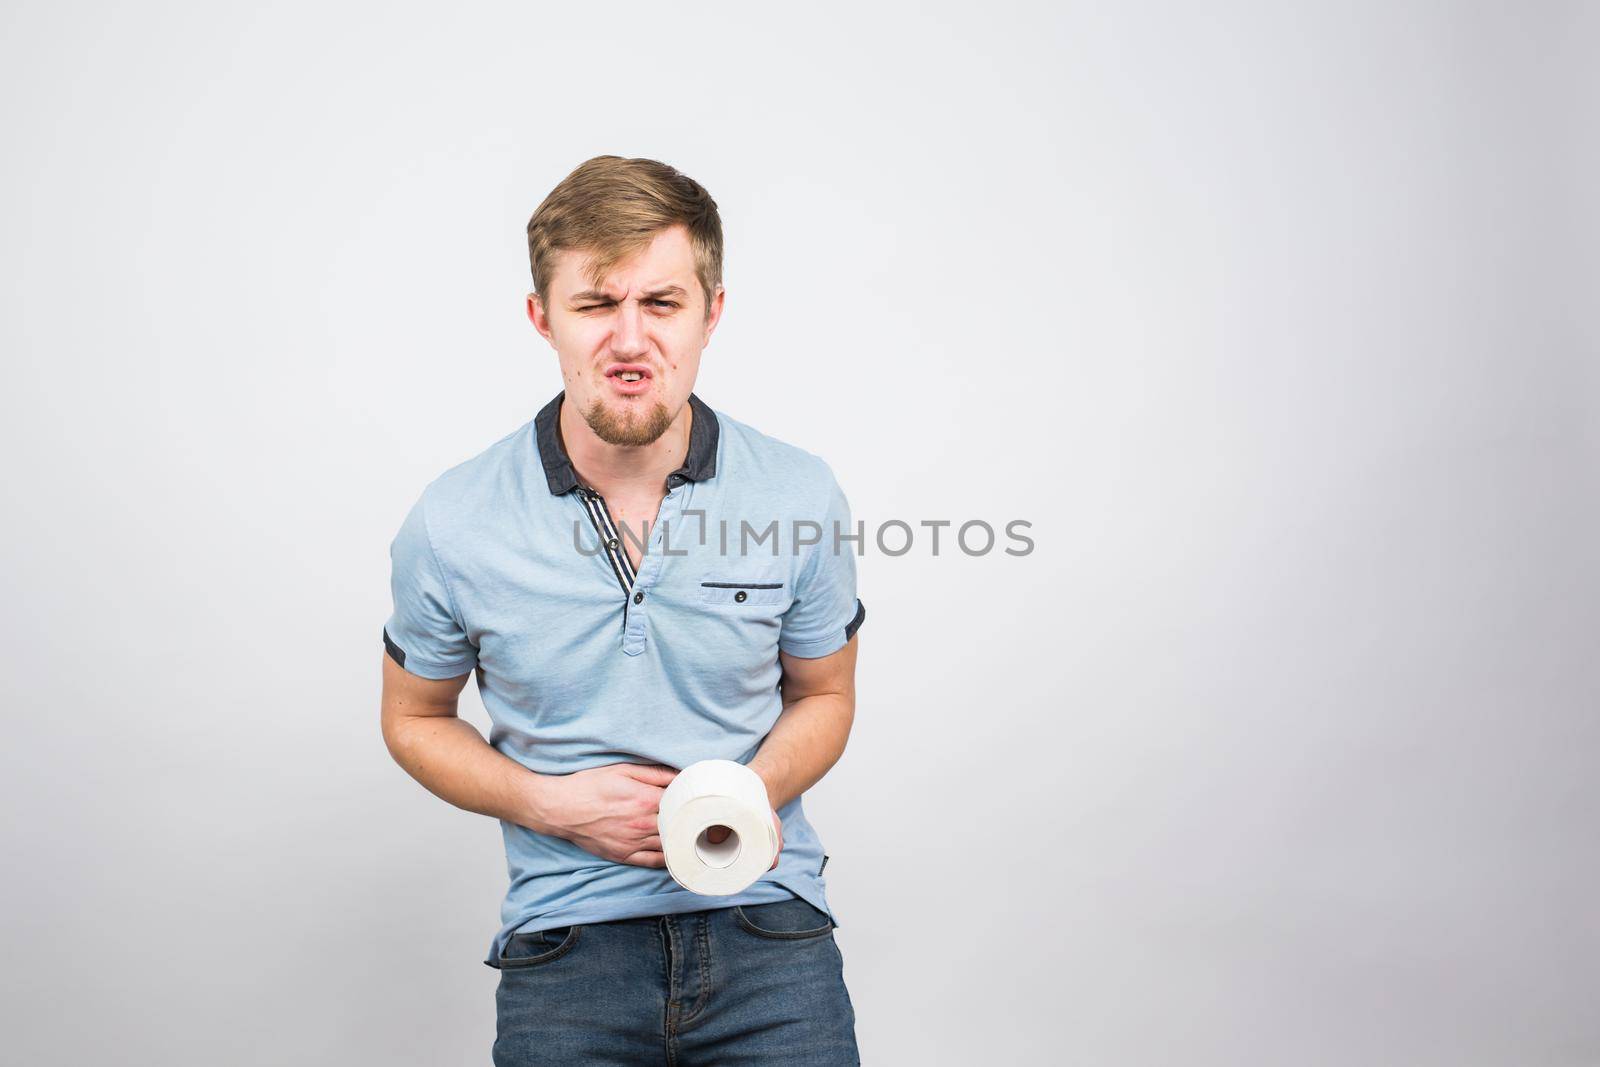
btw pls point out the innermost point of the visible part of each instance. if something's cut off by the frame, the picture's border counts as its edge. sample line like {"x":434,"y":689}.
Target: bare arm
{"x":609,"y":811}
{"x":446,"y":754}
{"x":819,"y":705}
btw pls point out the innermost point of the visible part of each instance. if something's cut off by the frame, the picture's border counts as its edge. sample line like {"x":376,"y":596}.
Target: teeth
{"x":629,"y":375}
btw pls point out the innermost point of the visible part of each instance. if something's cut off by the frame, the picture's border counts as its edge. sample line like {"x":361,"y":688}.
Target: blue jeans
{"x":757,"y":984}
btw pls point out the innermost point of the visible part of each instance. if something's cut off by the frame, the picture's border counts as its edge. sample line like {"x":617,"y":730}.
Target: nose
{"x":628,"y":340}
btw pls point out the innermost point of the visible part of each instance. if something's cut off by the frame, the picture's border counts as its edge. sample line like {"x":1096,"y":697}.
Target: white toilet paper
{"x":717,"y":792}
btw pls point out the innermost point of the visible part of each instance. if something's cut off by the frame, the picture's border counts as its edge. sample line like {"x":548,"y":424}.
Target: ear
{"x":715,"y":316}
{"x":540,"y":320}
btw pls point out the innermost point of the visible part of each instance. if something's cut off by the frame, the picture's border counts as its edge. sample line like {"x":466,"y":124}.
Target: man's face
{"x":630,"y":346}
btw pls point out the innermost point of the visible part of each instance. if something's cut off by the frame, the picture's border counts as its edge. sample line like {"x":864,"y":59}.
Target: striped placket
{"x":616,"y":552}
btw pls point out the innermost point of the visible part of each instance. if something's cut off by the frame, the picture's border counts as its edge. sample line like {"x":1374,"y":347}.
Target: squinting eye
{"x":664,"y":303}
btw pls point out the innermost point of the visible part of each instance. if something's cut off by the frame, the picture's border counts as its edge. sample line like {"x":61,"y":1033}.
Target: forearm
{"x":453,"y":761}
{"x":804,"y":744}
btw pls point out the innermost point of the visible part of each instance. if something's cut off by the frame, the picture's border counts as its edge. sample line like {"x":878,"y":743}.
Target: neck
{"x":610,"y":467}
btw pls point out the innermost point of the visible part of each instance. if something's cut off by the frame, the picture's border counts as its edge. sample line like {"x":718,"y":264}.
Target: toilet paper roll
{"x":717,"y":792}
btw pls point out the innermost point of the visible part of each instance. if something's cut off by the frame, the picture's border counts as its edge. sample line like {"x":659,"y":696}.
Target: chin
{"x":630,"y":421}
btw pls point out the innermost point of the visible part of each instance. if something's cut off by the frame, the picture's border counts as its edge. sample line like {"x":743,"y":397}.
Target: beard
{"x":629,"y":429}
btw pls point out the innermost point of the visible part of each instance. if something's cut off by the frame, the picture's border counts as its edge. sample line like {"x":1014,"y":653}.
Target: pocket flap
{"x":736,"y":586}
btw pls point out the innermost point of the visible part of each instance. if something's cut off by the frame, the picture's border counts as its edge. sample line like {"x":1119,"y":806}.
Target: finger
{"x":647,"y":859}
{"x":651,"y":844}
{"x":717,"y":834}
{"x":650,"y":773}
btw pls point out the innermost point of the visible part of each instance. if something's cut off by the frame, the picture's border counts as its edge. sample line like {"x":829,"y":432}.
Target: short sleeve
{"x":424,"y":634}
{"x":825,"y":613}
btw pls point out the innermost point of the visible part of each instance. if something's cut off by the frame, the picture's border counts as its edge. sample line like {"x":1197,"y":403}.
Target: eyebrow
{"x":591,"y":294}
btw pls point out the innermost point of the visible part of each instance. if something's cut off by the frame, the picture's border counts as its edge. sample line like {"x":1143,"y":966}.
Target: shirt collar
{"x":698,"y":465}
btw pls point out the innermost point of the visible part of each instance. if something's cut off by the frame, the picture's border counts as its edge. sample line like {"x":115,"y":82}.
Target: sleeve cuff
{"x":423,"y":668}
{"x":829,"y":644}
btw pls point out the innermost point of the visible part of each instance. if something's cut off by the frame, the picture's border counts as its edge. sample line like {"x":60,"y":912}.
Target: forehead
{"x":668,"y":259}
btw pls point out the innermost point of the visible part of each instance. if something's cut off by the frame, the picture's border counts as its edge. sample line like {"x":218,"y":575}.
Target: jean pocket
{"x":783,"y":920}
{"x":540,"y":946}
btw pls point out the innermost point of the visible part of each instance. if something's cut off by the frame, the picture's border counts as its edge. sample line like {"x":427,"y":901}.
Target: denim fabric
{"x":752,"y":984}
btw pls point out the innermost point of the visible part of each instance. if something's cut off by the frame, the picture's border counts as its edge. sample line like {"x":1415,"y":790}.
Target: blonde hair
{"x":611,"y":208}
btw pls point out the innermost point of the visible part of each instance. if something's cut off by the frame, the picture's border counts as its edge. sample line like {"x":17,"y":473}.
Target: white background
{"x":1276,"y":321}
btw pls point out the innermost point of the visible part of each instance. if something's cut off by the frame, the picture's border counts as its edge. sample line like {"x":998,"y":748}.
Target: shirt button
{"x":638,"y":598}
{"x":611,"y":543}
{"x":740,"y":596}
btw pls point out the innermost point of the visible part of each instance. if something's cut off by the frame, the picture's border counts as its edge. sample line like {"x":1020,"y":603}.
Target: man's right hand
{"x":609,"y":811}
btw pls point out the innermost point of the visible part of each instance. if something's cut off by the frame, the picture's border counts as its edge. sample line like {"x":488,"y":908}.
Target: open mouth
{"x":629,"y":379}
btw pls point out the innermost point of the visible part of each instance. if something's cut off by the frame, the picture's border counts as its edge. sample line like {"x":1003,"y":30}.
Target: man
{"x":639,"y":583}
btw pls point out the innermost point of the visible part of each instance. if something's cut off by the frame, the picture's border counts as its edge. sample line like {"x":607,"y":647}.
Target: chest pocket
{"x":735,"y":589}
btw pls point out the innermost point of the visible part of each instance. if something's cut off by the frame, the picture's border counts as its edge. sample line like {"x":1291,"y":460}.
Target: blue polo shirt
{"x":510,"y":567}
